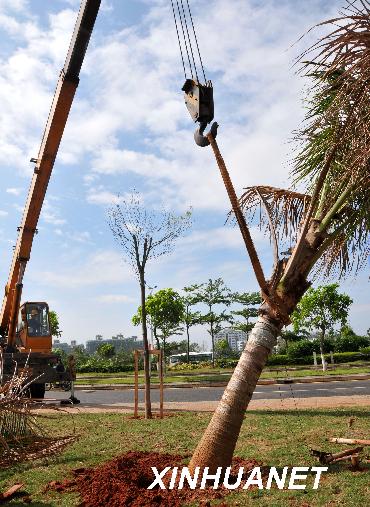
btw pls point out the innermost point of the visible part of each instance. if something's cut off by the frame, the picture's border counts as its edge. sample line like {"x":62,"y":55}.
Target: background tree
{"x":190,"y":318}
{"x":213,"y":294}
{"x":106,"y":350}
{"x":165,"y":309}
{"x":143,"y":235}
{"x":54,"y":324}
{"x":326,"y":229}
{"x":223,"y":349}
{"x":321,"y":309}
{"x":250,"y":302}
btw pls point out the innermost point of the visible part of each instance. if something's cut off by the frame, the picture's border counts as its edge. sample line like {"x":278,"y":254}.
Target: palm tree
{"x":326,"y":225}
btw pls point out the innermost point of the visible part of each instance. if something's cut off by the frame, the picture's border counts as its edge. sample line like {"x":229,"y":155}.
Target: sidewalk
{"x":287,"y":404}
{"x":292,"y":380}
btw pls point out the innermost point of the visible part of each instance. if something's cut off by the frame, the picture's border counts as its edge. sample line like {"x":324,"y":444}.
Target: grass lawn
{"x":274,"y":439}
{"x":213,"y":376}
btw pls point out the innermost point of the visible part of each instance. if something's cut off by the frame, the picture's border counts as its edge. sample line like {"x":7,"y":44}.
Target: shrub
{"x":350,"y":343}
{"x":307,"y":347}
{"x":365,"y":351}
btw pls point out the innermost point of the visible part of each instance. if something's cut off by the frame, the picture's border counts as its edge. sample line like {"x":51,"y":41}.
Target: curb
{"x":293,"y":380}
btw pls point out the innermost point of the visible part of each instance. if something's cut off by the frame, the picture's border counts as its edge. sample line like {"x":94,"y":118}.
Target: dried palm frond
{"x":280,"y":211}
{"x":22,"y":437}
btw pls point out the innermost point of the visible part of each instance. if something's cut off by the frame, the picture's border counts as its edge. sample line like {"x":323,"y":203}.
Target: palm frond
{"x":337,"y":129}
{"x":278,"y":208}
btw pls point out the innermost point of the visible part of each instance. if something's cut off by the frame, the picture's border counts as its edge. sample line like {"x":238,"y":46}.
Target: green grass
{"x":213,"y":376}
{"x":273,"y":438}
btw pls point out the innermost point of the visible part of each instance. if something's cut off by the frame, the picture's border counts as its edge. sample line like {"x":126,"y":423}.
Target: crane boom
{"x":58,"y":115}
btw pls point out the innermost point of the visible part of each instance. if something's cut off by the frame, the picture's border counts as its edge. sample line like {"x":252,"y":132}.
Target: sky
{"x":129,"y":128}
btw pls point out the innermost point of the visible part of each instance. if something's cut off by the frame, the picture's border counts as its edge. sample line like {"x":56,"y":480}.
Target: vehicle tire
{"x":37,"y":390}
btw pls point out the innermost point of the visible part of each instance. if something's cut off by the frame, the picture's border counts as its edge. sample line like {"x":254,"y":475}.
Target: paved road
{"x":266,"y":392}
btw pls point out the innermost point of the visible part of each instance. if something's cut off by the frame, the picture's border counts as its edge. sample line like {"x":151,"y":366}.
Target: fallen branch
{"x":7,"y":495}
{"x":328,"y":457}
{"x":349,"y":441}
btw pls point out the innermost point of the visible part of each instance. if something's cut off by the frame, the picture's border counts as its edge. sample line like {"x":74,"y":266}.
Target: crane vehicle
{"x":25,"y":337}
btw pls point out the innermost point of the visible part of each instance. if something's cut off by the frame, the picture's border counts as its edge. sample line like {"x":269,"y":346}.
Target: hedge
{"x":285,"y":360}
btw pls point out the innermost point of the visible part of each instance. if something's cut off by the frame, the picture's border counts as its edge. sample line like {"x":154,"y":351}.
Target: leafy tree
{"x":106,"y":350}
{"x":223,"y":350}
{"x":213,"y":294}
{"x":321,"y":309}
{"x":165,"y":309}
{"x":190,"y":318}
{"x":325,"y":229}
{"x":62,"y":354}
{"x":54,"y":324}
{"x":143,"y":235}
{"x":249,"y":300}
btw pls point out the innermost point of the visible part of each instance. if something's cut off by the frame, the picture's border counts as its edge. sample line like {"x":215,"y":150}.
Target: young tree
{"x":320,"y":309}
{"x":327,"y":227}
{"x":165,"y":309}
{"x":213,"y":294}
{"x":54,"y":324}
{"x":143,"y":235}
{"x":106,"y":350}
{"x":250,"y":302}
{"x":223,"y":349}
{"x":190,"y":318}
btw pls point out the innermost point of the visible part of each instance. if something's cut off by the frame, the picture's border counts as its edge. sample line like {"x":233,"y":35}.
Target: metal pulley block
{"x":199,"y":102}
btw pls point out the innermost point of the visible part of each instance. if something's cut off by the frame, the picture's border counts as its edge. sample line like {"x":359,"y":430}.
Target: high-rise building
{"x":236,"y":338}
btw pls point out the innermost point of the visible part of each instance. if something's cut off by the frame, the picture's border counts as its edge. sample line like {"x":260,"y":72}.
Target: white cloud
{"x":116,"y":298}
{"x":3,"y":213}
{"x":100,"y":268}
{"x":50,"y":214}
{"x":14,"y":191}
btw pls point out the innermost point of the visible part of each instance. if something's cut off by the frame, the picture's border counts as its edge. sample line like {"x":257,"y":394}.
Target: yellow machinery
{"x":25,"y":336}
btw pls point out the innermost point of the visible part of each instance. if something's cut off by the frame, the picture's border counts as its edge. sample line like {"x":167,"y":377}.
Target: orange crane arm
{"x":61,"y":105}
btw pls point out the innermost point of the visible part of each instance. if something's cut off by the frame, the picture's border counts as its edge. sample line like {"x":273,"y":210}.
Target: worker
{"x":34,"y":323}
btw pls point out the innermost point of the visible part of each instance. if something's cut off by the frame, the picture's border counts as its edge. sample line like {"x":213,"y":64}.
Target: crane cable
{"x":184,"y":17}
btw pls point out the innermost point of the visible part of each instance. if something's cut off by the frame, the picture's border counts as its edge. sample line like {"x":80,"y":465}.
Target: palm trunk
{"x":148,"y":405}
{"x":217,"y":445}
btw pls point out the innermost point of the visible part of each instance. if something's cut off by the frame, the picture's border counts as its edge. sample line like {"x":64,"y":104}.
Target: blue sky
{"x":129,"y":128}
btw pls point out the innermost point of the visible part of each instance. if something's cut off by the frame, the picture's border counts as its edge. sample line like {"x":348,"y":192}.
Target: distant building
{"x":119,"y":342}
{"x":64,"y":346}
{"x":235,"y":338}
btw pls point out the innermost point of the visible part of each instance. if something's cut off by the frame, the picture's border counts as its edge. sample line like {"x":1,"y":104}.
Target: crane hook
{"x":200,"y":138}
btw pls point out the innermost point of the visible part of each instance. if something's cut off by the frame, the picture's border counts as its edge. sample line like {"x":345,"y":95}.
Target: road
{"x":263,"y":392}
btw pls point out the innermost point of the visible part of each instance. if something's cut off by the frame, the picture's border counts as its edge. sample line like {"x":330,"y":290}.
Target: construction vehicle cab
{"x":33,"y":330}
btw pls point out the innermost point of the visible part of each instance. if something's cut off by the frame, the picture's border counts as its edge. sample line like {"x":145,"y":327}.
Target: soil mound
{"x":124,"y":482}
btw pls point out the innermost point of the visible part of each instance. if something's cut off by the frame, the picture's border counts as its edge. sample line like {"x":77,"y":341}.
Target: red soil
{"x":124,"y":482}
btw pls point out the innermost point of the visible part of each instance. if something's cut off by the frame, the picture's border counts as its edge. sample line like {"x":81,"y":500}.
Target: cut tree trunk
{"x":217,"y":445}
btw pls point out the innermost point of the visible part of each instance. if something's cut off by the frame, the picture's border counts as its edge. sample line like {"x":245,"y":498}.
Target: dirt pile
{"x":124,"y":482}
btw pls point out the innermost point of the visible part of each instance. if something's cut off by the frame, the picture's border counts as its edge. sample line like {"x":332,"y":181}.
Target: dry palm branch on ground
{"x":22,"y":437}
{"x":325,"y":223}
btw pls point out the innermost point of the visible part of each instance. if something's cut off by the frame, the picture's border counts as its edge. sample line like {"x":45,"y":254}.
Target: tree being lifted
{"x":143,"y":235}
{"x":328,"y":225}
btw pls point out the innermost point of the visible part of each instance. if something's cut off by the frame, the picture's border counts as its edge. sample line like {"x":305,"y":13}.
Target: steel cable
{"x":186,"y":45}
{"x":178,"y":38}
{"x":196,"y":41}
{"x":189,"y":40}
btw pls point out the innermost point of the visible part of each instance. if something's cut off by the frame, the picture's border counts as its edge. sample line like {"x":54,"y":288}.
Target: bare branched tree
{"x":144,"y":234}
